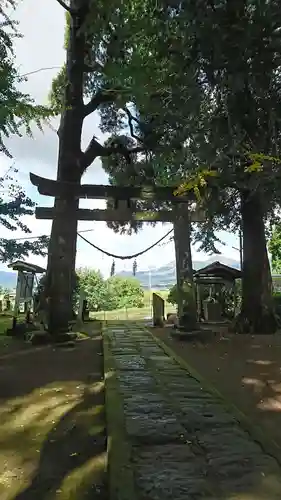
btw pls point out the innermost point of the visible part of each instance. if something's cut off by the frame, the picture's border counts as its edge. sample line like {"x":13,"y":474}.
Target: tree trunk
{"x":62,"y":248}
{"x":61,"y":268}
{"x":257,"y":313}
{"x":187,"y":311}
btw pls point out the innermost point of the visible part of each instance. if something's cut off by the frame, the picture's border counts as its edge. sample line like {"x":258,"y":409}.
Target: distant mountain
{"x":164,"y":277}
{"x":159,"y":278}
{"x":8,"y":279}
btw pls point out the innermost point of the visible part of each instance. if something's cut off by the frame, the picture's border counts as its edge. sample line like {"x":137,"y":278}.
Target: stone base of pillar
{"x":186,"y":335}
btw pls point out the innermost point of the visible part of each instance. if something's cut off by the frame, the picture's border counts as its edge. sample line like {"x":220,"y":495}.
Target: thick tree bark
{"x":257,"y":313}
{"x":72,"y":163}
{"x":62,"y":248}
{"x":61,"y":269}
{"x":187,"y":311}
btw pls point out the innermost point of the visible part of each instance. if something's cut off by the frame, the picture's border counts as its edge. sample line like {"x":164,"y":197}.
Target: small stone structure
{"x":83,"y":310}
{"x":158,"y":310}
{"x":7,"y":302}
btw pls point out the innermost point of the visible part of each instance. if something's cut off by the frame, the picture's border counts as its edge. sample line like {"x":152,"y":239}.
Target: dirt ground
{"x":246,"y":370}
{"x":52,"y":432}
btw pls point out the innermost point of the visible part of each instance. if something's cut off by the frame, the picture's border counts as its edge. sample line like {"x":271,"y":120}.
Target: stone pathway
{"x":184,"y":445}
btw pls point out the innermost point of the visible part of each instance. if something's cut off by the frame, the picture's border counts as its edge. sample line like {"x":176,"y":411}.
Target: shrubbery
{"x":116,"y":292}
{"x":103,"y":295}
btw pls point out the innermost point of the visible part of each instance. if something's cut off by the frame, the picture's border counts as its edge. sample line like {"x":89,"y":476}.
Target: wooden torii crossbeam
{"x":122,"y":195}
{"x":120,"y":215}
{"x":49,"y":187}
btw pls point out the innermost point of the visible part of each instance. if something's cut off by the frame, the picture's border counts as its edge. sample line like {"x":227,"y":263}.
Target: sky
{"x":42,"y":47}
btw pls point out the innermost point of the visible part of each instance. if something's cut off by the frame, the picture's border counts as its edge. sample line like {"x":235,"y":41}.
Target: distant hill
{"x":8,"y":279}
{"x":158,"y":278}
{"x":164,"y":277}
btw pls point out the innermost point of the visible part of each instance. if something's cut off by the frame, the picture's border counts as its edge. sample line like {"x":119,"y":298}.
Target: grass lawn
{"x":5,"y":322}
{"x":134,"y":313}
{"x":52,"y":433}
{"x":5,"y":341}
{"x":9,"y":344}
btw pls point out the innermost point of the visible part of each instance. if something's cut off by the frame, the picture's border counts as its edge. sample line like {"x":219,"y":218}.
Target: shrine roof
{"x":20,"y":265}
{"x":217,"y":269}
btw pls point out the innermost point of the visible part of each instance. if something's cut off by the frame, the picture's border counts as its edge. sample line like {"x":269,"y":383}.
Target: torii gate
{"x":184,"y":211}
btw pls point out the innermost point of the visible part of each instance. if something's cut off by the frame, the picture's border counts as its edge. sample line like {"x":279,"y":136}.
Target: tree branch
{"x":101,"y":97}
{"x":68,"y":9}
{"x":90,"y":68}
{"x":95,"y":150}
{"x":131,"y":118}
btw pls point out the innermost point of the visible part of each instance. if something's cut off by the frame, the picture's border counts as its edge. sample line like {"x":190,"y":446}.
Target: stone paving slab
{"x":153,"y":428}
{"x":189,"y":474}
{"x":182,"y":443}
{"x":141,"y":404}
{"x":129,"y":362}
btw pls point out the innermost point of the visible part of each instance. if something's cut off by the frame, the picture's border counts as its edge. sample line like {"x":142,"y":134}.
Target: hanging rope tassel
{"x":135,"y":267}
{"x":112,"y":270}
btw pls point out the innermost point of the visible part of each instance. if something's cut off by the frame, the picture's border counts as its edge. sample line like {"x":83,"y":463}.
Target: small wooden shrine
{"x":219,"y":282}
{"x":25,"y":284}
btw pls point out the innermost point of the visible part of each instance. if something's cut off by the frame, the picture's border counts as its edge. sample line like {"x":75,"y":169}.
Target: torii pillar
{"x":186,"y":293}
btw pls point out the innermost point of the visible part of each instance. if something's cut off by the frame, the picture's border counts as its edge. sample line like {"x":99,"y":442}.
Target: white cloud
{"x":42,"y":47}
{"x":42,"y":24}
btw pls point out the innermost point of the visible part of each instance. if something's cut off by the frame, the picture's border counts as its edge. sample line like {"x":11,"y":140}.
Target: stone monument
{"x":158,"y":310}
{"x":83,"y":310}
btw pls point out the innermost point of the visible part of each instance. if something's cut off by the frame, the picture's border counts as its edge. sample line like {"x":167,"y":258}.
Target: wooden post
{"x":198,"y":300}
{"x":17,"y":298}
{"x":82,"y":297}
{"x":185,"y":282}
{"x":241,"y":247}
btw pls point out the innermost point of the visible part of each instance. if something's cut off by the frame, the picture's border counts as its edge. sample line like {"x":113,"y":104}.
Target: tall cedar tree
{"x":205,"y":82}
{"x":192,"y":101}
{"x":82,"y":76}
